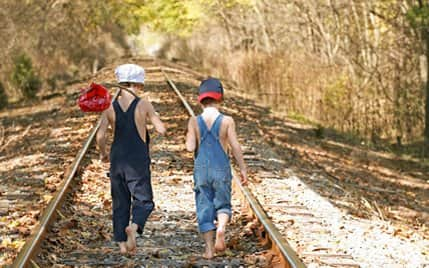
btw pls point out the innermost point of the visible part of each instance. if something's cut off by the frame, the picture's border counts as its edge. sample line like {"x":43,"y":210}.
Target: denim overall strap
{"x":212,"y":176}
{"x":118,"y":110}
{"x":130,"y":178}
{"x":214,"y":130}
{"x":203,"y":128}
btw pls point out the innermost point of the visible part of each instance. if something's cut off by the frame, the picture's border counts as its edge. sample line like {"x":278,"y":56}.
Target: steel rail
{"x":173,"y":86}
{"x":32,"y":246}
{"x":288,"y":257}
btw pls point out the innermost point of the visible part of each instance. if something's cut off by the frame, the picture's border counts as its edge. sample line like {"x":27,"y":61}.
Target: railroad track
{"x":306,"y":224}
{"x":75,"y":228}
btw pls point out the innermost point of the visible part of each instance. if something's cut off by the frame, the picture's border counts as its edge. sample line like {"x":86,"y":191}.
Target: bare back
{"x":140,"y":114}
{"x":223,"y":130}
{"x":227,"y":136}
{"x":143,"y":113}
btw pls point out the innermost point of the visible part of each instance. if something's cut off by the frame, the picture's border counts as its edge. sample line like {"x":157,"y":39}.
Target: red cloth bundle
{"x":94,"y":99}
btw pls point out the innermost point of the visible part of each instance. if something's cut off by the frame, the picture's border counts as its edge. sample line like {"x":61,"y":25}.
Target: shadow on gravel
{"x":364,"y":183}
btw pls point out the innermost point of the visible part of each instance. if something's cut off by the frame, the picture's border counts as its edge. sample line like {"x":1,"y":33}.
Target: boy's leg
{"x":122,"y":247}
{"x":141,"y":189}
{"x":141,"y":211}
{"x":206,"y":216}
{"x":222,"y":203}
{"x":121,"y":202}
{"x":131,"y":243}
{"x":209,"y":241}
{"x":222,"y":221}
{"x":206,"y":212}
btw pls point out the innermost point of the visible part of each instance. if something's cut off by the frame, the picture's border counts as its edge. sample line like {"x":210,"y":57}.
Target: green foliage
{"x":171,"y":16}
{"x":336,"y":93}
{"x":168,"y":16}
{"x":24,"y":78}
{"x":301,"y":119}
{"x":3,"y":97}
{"x":418,"y":16}
{"x":227,"y":4}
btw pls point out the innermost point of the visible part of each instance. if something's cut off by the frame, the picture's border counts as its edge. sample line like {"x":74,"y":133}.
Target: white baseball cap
{"x":131,"y":73}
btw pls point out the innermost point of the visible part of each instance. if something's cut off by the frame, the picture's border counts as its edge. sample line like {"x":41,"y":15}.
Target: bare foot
{"x":208,"y":254}
{"x":208,"y":239}
{"x":122,"y":248}
{"x":131,"y":231}
{"x":220,"y":240}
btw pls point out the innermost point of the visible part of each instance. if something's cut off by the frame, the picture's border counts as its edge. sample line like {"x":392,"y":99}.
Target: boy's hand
{"x":104,"y":157}
{"x":243,"y":177}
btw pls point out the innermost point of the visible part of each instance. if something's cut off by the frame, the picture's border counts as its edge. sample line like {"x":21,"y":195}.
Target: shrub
{"x":3,"y":97}
{"x":24,"y":77}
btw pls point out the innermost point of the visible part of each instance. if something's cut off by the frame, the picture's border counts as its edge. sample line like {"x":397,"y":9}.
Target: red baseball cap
{"x":210,"y":88}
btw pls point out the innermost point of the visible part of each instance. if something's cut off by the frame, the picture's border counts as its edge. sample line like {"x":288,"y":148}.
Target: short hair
{"x":129,"y":84}
{"x":207,"y":101}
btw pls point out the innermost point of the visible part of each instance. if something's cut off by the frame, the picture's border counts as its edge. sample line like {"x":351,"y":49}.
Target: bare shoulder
{"x":144,"y":102}
{"x":229,"y":121}
{"x":144,"y":105}
{"x":109,"y":113}
{"x":192,"y":121}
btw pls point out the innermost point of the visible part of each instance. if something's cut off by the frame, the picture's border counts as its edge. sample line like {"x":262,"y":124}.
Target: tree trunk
{"x":262,"y":24}
{"x":426,"y":36}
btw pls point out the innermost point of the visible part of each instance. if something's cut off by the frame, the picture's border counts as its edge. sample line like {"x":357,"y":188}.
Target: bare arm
{"x":101,"y":137}
{"x":236,"y":150}
{"x":191,"y":138}
{"x":155,"y":120}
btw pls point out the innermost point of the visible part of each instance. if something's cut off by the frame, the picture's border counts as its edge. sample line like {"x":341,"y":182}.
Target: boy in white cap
{"x":209,"y":135}
{"x":129,"y":156}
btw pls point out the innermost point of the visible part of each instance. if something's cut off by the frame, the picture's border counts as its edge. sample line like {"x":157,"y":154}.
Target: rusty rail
{"x":173,"y":86}
{"x":32,"y":246}
{"x":287,"y":256}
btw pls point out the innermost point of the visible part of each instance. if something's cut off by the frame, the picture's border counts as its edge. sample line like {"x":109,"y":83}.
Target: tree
{"x":3,"y":97}
{"x":418,"y":16}
{"x":425,"y":38}
{"x":309,"y":51}
{"x":24,"y":77}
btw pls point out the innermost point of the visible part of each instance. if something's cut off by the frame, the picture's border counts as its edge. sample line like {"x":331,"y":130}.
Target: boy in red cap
{"x":129,"y":156}
{"x":210,"y":135}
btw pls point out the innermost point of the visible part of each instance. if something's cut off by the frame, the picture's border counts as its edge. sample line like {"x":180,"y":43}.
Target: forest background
{"x":359,"y":67}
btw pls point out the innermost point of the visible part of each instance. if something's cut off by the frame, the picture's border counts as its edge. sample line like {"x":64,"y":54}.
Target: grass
{"x":302,"y":119}
{"x":411,"y":150}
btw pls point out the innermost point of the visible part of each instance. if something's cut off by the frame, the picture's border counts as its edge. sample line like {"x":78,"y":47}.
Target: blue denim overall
{"x":212,"y":176}
{"x":129,"y":173}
